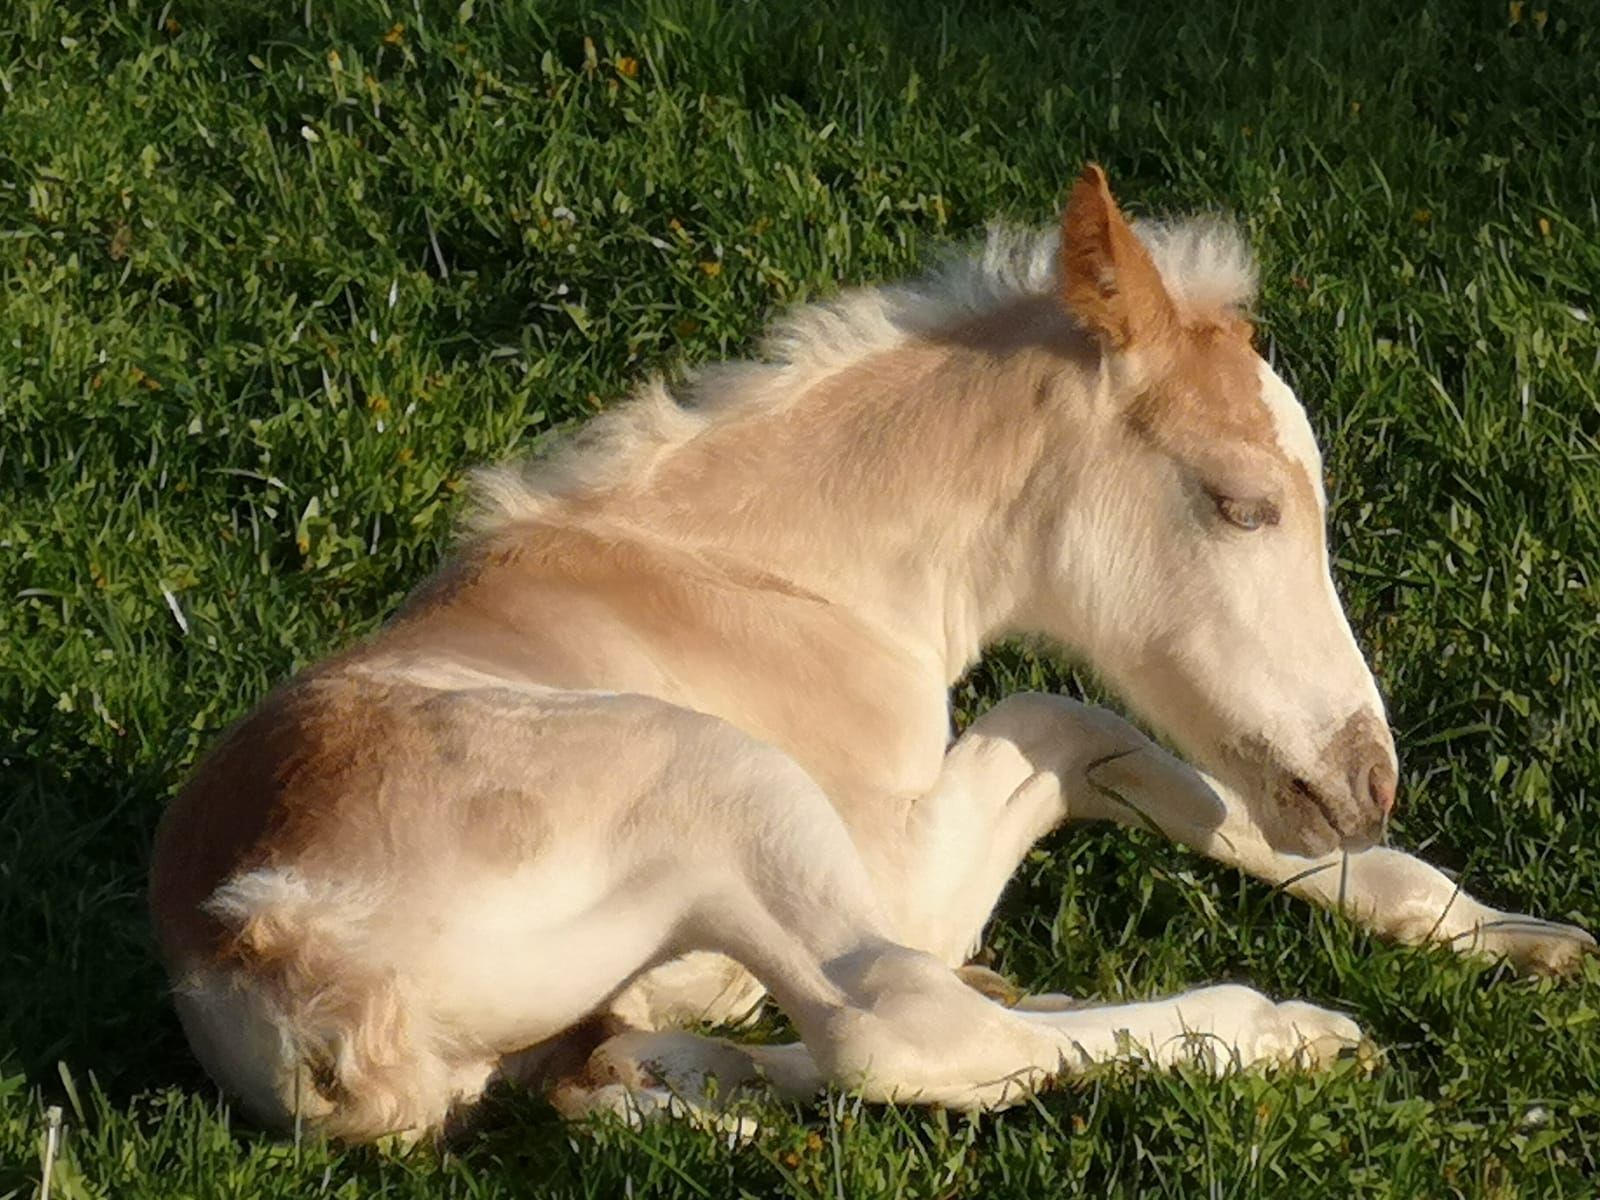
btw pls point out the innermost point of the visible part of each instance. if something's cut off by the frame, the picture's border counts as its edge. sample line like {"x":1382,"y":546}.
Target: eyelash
{"x":1248,"y":515}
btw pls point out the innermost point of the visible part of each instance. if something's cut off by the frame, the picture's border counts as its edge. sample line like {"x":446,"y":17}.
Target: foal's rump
{"x":384,"y":880}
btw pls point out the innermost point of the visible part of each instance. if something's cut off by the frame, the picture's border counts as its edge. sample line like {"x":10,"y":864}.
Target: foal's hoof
{"x":990,"y":984}
{"x":994,"y":986}
{"x":1316,"y":1038}
{"x":1532,"y":946}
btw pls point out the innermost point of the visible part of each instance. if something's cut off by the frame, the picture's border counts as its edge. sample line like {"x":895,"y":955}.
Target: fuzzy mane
{"x":1204,"y":263}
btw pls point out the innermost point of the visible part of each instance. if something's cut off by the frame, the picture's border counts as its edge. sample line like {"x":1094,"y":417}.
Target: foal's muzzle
{"x":1345,"y":805}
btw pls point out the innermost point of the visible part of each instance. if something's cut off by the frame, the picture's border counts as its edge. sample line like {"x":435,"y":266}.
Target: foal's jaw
{"x":1202,"y":590}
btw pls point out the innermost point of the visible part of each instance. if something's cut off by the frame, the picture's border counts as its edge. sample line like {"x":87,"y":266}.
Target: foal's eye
{"x":1246,"y":514}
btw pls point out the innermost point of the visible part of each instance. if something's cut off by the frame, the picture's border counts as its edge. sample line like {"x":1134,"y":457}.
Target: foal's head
{"x":1195,"y":561}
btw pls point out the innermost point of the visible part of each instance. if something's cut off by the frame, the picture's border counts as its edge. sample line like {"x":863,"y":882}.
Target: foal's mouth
{"x":1302,"y":790}
{"x":1342,"y":833}
{"x":1298,"y":814}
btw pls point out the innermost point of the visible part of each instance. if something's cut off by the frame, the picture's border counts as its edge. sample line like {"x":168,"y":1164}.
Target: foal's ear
{"x":1108,"y":280}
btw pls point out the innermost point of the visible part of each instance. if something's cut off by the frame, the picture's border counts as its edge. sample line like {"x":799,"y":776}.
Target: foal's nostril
{"x":1381,"y":784}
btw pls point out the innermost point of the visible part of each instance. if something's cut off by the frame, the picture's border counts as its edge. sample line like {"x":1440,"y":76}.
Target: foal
{"x":671,"y":730}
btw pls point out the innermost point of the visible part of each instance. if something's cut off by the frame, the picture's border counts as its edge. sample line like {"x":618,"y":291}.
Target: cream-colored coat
{"x":670,"y":730}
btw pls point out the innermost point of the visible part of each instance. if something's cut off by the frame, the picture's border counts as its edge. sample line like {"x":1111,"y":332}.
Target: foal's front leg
{"x":1393,"y":893}
{"x":1018,"y":771}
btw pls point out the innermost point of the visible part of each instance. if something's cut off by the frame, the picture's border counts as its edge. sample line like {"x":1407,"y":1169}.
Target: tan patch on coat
{"x":501,"y":825}
{"x":1208,"y":387}
{"x":331,"y":771}
{"x":264,"y":794}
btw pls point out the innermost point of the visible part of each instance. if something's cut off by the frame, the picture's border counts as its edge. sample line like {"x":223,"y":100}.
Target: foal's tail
{"x":297,"y":1022}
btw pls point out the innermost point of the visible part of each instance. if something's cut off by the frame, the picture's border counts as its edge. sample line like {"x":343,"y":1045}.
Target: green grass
{"x":270,"y":283}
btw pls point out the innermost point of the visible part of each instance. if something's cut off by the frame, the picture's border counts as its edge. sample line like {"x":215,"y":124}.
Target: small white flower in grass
{"x":310,"y":134}
{"x":394,"y":292}
{"x":52,"y":1144}
{"x":1579,"y":314}
{"x":177,"y":613}
{"x":562,"y":213}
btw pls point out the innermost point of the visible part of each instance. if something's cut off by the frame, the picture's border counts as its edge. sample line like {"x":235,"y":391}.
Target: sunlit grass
{"x":271,"y":281}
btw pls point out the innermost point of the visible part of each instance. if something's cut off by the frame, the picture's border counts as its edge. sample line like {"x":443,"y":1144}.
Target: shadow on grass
{"x":80,"y":980}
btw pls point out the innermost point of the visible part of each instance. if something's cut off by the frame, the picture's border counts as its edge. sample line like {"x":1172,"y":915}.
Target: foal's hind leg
{"x":639,"y":1075}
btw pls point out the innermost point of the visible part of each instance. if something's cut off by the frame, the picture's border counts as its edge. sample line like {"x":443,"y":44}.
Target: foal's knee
{"x":1054,"y":730}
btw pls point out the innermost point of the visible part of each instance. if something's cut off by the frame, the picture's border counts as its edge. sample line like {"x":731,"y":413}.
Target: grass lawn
{"x":271,"y":281}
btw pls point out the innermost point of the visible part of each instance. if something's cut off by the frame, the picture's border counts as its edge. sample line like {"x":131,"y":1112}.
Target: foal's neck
{"x":908,"y":486}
